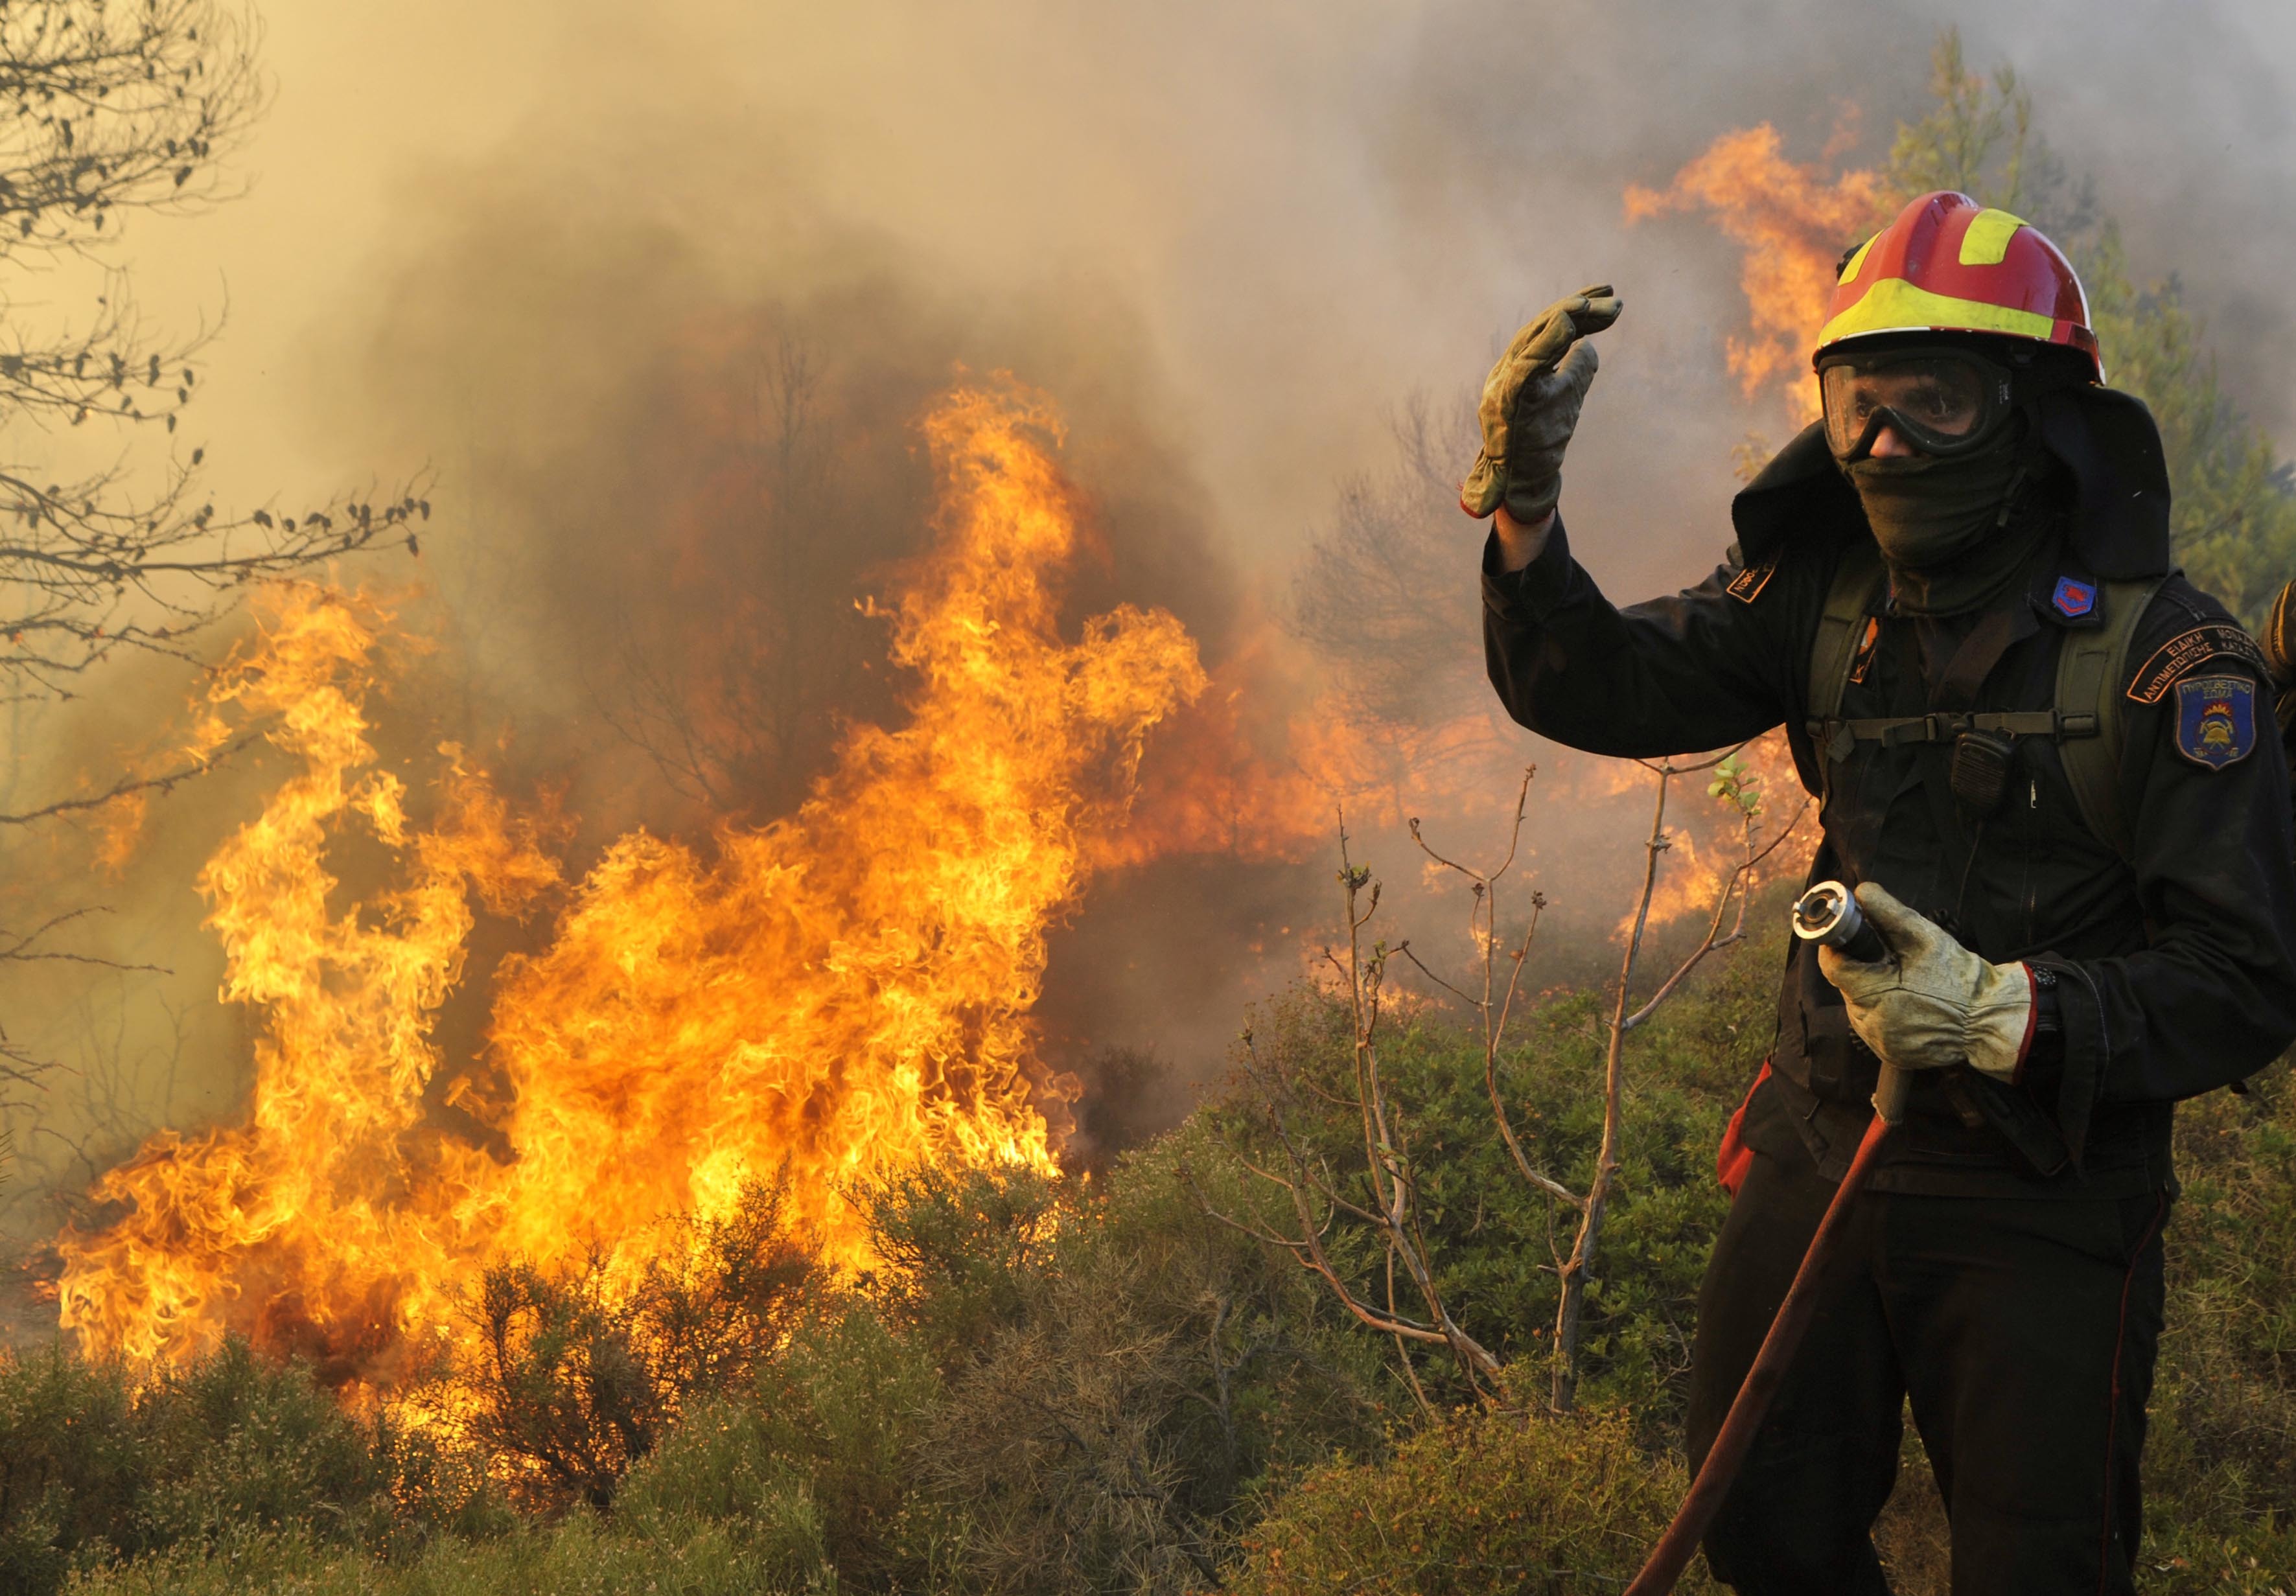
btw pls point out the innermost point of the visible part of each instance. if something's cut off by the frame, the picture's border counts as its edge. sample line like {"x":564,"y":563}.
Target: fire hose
{"x":1826,"y":914}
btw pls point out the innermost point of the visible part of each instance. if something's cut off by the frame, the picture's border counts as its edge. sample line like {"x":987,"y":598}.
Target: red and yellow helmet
{"x":1950,"y":265}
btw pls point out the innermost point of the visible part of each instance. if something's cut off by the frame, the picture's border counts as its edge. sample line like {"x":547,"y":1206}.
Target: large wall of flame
{"x":834,"y":998}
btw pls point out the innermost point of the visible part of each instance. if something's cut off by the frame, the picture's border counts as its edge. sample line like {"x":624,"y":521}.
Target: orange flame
{"x":841,"y":994}
{"x":1255,"y":769}
{"x":1792,"y":222}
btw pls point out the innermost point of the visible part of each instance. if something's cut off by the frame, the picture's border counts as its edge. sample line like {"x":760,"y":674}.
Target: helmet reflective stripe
{"x":1896,"y":306}
{"x":1949,"y":265}
{"x":1987,"y":241}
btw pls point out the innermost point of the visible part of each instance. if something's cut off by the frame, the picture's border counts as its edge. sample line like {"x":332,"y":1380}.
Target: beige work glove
{"x":1531,"y":407}
{"x":1934,"y":1003}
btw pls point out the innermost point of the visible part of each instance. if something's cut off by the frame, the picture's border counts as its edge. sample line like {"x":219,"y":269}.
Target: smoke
{"x":659,"y":300}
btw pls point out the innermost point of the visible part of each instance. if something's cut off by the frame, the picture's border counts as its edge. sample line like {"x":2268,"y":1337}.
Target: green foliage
{"x":579,"y":1556}
{"x":1739,"y":786}
{"x":2221,"y":1458}
{"x":89,"y":1470}
{"x":1130,"y":1371}
{"x":2233,"y":522}
{"x":1488,"y":1500}
{"x":1979,"y":137}
{"x":958,"y":1250}
{"x":721,"y":1468}
{"x":844,"y":1408}
{"x":232,"y":1440}
{"x":70,"y":1475}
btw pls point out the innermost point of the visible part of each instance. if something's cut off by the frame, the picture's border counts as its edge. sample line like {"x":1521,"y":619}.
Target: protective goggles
{"x":1943,"y":401}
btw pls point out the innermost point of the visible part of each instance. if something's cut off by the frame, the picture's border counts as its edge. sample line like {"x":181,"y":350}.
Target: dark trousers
{"x":2023,"y":1331}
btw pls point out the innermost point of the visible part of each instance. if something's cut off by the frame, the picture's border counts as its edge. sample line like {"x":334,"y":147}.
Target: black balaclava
{"x":1956,"y":533}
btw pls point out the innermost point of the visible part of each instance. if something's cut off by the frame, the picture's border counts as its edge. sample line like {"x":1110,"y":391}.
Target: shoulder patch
{"x":1747,"y":586}
{"x":2218,"y":640}
{"x":2216,"y":719}
{"x":2073,"y":599}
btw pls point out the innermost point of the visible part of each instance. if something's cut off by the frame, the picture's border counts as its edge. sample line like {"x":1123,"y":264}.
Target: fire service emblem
{"x":2074,"y":599}
{"x":2216,"y":719}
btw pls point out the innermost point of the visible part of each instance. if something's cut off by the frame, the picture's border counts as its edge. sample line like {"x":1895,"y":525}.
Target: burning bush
{"x":577,"y":1373}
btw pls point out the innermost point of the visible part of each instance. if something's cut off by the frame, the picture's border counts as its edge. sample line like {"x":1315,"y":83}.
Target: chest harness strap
{"x":2084,"y":720}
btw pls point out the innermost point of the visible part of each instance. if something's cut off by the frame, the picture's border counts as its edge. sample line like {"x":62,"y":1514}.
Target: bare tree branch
{"x":1392,"y":1212}
{"x":128,"y":785}
{"x":1733,"y":884}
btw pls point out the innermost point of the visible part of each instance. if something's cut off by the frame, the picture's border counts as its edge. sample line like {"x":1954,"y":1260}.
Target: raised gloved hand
{"x":1531,"y":407}
{"x":1934,"y":1003}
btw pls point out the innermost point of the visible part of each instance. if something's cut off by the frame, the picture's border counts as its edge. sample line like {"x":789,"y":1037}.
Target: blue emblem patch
{"x":2216,"y":719}
{"x":2073,"y":599}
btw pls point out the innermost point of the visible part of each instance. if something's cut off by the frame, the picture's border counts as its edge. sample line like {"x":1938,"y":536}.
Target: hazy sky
{"x":1313,"y":208}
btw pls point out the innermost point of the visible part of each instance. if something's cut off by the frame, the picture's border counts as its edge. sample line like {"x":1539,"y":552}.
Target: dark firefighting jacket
{"x":2174,"y":967}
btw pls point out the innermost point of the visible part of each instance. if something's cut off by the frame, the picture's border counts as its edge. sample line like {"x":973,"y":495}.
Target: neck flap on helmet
{"x":2106,"y":439}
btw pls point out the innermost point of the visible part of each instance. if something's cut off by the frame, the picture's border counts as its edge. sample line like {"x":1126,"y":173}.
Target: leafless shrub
{"x":1380,"y":1195}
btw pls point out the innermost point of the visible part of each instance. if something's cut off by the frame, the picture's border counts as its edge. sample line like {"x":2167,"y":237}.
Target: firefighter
{"x":2034,"y":748}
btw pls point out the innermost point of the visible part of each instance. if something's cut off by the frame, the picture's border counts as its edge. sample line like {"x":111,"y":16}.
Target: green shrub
{"x":795,"y":1482}
{"x":576,"y":1556}
{"x":1121,"y":1372}
{"x":958,"y":1248}
{"x":1487,"y":1501}
{"x":241,"y":1560}
{"x":2221,"y":1461}
{"x":720,"y":1469}
{"x":812,"y":1466}
{"x":71,"y":1474}
{"x":89,"y":1471}
{"x":846,"y":1407}
{"x":233,"y":1440}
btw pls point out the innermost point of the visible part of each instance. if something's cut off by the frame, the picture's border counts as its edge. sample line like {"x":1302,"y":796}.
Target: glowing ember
{"x":843,"y":993}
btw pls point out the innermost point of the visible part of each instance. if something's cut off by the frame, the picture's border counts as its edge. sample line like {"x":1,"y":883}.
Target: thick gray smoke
{"x":585,"y":268}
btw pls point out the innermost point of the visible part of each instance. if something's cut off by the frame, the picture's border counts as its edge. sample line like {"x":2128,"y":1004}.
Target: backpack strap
{"x":1841,"y":627}
{"x":2092,"y":667}
{"x":2086,"y":723}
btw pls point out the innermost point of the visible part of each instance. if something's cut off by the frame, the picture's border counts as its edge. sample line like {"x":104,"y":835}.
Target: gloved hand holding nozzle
{"x":1927,"y":1002}
{"x":1828,"y":915}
